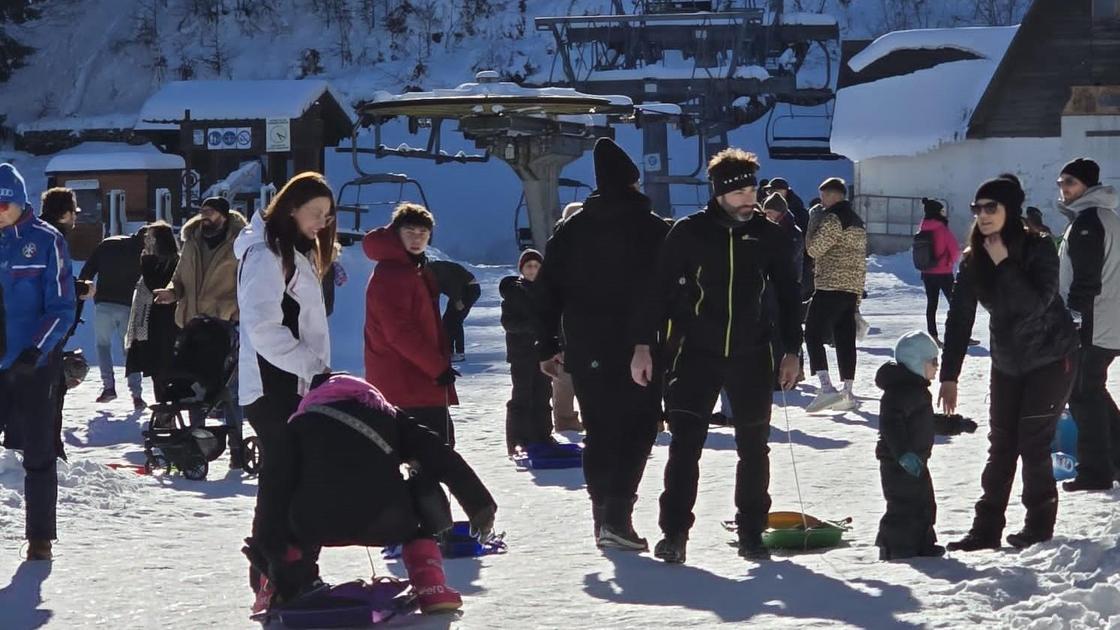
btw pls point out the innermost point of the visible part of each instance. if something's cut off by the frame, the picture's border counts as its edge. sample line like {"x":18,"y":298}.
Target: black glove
{"x":27,"y":361}
{"x":448,"y":377}
{"x":482,"y":522}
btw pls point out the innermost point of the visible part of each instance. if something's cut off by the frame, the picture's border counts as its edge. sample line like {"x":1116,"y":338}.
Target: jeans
{"x":111,"y":322}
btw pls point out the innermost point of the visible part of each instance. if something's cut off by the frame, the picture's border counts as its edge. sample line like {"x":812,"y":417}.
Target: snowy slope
{"x":141,"y":552}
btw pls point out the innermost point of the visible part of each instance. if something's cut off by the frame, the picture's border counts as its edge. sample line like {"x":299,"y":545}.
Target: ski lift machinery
{"x":350,"y":201}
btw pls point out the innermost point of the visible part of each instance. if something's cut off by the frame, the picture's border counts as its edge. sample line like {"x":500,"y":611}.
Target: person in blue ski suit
{"x":39,"y":308}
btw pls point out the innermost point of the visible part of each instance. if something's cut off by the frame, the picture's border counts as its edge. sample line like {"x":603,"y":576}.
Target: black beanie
{"x":834,"y":183}
{"x":219,"y":204}
{"x":777,"y":203}
{"x":1004,"y":190}
{"x":932,"y":208}
{"x":731,"y":175}
{"x":613,"y":168}
{"x":1085,"y":170}
{"x":527,"y":256}
{"x":779,"y":183}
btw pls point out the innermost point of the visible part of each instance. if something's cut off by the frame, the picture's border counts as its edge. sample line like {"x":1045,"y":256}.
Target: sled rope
{"x":372,"y":569}
{"x":793,"y":461}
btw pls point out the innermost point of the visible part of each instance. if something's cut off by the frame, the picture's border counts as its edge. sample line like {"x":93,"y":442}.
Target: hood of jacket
{"x":618,"y":200}
{"x":193,"y":227}
{"x":1096,"y":197}
{"x":250,"y":235}
{"x":344,"y":387}
{"x":847,"y":215}
{"x":893,"y":374}
{"x":384,"y":245}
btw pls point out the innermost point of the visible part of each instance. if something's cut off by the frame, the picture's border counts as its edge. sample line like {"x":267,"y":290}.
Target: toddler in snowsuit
{"x":528,"y":413}
{"x":906,"y":430}
{"x":349,"y":446}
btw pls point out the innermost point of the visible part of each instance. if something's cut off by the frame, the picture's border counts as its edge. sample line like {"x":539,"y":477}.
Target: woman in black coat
{"x":1014,"y":275}
{"x":151,"y":327}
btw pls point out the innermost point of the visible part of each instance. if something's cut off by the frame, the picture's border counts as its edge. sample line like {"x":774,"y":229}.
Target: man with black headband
{"x":712,"y":271}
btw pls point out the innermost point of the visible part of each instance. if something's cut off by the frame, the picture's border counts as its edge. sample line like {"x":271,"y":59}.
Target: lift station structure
{"x":725,"y":63}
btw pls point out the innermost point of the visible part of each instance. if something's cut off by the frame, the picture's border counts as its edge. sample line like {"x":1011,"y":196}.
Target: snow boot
{"x":107,"y":395}
{"x":138,"y":404}
{"x":39,"y":549}
{"x":617,"y":529}
{"x":751,"y":548}
{"x":671,"y":548}
{"x":974,"y":542}
{"x":1080,"y":484}
{"x":597,"y":511}
{"x":1025,"y":538}
{"x":424,"y":564}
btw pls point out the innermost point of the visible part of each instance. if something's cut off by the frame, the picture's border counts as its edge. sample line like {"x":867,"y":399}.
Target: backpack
{"x":924,"y":256}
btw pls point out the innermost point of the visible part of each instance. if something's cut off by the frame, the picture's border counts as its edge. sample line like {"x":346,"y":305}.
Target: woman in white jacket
{"x":284,"y":343}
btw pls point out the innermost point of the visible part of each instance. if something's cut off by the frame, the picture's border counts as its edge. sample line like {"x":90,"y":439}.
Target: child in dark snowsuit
{"x":348,"y":447}
{"x":528,"y":413}
{"x":906,"y":430}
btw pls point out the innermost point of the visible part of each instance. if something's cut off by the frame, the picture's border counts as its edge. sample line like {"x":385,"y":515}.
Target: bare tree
{"x":1000,"y":12}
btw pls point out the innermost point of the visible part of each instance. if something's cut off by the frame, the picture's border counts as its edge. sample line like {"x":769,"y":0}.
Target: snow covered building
{"x":932,"y":113}
{"x":284,"y":126}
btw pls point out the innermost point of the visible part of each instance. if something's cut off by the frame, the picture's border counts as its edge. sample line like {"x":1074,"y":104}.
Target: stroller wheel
{"x":156,"y":465}
{"x":252,"y":454}
{"x":196,"y":470}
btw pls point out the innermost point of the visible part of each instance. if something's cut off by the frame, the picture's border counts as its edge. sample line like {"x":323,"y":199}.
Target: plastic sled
{"x":1065,"y":436}
{"x":787,"y":530}
{"x":549,"y":456}
{"x":458,"y":542}
{"x":354,"y":604}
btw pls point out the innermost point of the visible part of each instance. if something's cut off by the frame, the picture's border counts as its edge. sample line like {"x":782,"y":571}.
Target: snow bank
{"x":233,"y":100}
{"x":987,"y":42}
{"x":75,"y":123}
{"x":913,"y":113}
{"x":112,"y":156}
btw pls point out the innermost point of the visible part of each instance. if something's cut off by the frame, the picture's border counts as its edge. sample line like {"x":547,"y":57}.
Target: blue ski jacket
{"x":38,"y":287}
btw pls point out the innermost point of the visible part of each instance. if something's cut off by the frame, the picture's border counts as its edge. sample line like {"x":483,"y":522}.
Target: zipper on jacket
{"x":730,"y":284}
{"x":699,"y":300}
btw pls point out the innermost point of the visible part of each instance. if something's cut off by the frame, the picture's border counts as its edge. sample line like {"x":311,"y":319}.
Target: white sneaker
{"x":824,"y":400}
{"x":458,"y":357}
{"x":847,"y":402}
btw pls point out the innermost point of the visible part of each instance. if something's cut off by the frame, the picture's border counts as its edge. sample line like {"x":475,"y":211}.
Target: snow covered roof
{"x":105,"y":121}
{"x":233,"y":100}
{"x":113,"y":156}
{"x":914,"y":112}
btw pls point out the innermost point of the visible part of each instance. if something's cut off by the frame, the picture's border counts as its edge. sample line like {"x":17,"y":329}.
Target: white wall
{"x":954,"y":171}
{"x":1105,"y":150}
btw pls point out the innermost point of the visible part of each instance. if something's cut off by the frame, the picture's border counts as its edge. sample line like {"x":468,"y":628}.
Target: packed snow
{"x":987,"y":42}
{"x":113,"y":156}
{"x":145,"y":552}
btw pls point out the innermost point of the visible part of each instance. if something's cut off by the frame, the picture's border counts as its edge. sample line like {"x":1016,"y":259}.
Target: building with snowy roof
{"x":218,"y":126}
{"x":933,"y":112}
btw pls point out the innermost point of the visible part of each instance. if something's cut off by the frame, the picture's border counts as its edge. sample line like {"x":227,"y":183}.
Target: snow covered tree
{"x":13,"y":53}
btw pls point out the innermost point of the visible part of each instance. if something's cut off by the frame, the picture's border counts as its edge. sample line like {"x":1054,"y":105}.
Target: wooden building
{"x":217,"y":126}
{"x":932,"y":113}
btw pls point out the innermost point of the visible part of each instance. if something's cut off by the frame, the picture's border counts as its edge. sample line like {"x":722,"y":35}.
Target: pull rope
{"x":793,"y":461}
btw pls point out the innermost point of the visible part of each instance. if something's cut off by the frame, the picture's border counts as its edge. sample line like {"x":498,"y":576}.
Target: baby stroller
{"x":202,"y":366}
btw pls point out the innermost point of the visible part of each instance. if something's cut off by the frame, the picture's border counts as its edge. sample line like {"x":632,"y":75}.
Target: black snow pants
{"x":1098,"y":420}
{"x":528,"y":413}
{"x":906,"y":529}
{"x":1024,"y":412}
{"x":694,"y":383}
{"x":832,"y":312}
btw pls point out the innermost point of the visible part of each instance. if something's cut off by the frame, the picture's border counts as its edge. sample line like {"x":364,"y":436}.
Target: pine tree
{"x":12,"y":52}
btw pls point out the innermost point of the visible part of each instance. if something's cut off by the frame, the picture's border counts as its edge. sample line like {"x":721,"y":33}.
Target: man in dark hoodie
{"x":596,"y":268}
{"x":711,"y":276}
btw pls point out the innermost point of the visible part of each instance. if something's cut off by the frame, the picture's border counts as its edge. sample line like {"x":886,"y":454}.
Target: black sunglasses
{"x":986,"y":208}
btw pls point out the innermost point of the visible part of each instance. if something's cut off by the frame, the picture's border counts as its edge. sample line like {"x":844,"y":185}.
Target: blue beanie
{"x":914,"y":349}
{"x":12,"y":188}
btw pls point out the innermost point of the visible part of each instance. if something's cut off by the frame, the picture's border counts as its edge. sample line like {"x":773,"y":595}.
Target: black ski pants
{"x":694,"y":383}
{"x":936,"y":285}
{"x":1024,"y":412}
{"x":832,"y":312}
{"x":1098,"y":420}
{"x":528,"y":412}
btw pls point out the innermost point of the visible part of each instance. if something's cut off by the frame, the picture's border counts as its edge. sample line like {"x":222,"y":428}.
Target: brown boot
{"x":39,"y":549}
{"x":568,"y":423}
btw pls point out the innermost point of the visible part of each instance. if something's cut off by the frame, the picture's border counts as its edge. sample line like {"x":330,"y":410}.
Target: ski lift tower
{"x":726,"y":63}
{"x":537,"y":131}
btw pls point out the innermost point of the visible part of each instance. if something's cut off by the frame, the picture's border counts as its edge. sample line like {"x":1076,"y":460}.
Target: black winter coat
{"x":906,"y":422}
{"x":596,"y":273}
{"x":452,"y":279}
{"x":1030,"y":326}
{"x":153,"y":356}
{"x":518,"y":318}
{"x":349,"y":491}
{"x":116,"y":263}
{"x":711,"y":278}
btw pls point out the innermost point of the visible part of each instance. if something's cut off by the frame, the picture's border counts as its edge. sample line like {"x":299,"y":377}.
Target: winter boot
{"x":236,"y":458}
{"x":39,"y":549}
{"x":107,"y":395}
{"x":1080,"y":484}
{"x":617,"y":530}
{"x":1025,"y":538}
{"x":424,"y":564}
{"x":597,"y":511}
{"x":973,"y":541}
{"x":138,"y":404}
{"x":671,"y":548}
{"x":751,"y":547}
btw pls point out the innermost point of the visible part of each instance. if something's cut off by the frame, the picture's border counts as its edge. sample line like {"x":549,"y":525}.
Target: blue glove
{"x":912,"y":464}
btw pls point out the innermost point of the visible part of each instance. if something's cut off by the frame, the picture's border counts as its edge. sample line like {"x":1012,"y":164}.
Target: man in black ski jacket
{"x":711,"y":275}
{"x":115,"y":262}
{"x":596,"y":268}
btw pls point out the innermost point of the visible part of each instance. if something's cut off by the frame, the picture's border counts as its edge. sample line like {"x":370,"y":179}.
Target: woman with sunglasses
{"x":1013,"y":274}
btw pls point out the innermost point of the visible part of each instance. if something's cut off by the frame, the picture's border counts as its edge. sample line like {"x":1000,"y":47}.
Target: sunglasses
{"x":987,"y":208}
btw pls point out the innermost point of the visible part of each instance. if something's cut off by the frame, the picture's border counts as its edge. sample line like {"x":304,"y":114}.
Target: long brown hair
{"x":983,"y":270}
{"x":282,"y":232}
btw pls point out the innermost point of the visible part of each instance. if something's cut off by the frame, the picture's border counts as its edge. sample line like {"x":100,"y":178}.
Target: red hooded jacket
{"x":406,"y":346}
{"x":945,"y":247}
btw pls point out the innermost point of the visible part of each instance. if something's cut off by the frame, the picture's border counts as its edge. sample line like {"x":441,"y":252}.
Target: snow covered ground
{"x":144,"y":552}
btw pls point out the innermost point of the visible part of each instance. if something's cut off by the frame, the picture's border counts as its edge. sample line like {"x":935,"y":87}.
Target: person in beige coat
{"x":205,"y":283}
